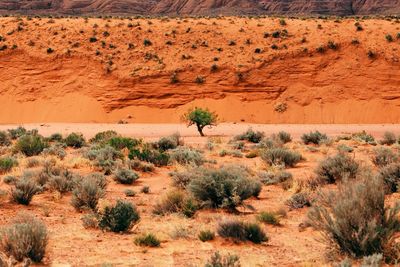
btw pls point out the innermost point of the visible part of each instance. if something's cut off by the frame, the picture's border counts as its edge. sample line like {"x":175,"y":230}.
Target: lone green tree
{"x":201,"y":118}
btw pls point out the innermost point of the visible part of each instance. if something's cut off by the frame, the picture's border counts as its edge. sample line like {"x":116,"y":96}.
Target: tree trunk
{"x":200,"y":129}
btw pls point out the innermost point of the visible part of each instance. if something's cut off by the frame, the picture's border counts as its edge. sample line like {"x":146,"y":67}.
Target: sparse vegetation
{"x":147,"y":240}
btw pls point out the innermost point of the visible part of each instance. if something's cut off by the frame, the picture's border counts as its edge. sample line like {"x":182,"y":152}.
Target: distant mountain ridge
{"x":202,"y":7}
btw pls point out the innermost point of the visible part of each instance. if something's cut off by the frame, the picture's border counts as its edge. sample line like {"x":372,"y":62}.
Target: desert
{"x":188,"y":139}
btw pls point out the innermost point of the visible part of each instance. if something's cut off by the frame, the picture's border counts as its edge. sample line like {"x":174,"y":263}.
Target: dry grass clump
{"x":87,"y":193}
{"x":239,"y":231}
{"x":383,"y":156}
{"x":24,"y":189}
{"x":251,"y":136}
{"x":26,"y":237}
{"x":187,"y":156}
{"x":125,"y":176}
{"x":281,"y":156}
{"x":147,"y":240}
{"x":390,"y":175}
{"x":218,"y":260}
{"x":337,"y":168}
{"x":315,"y":138}
{"x":389,"y":139}
{"x":354,"y":218}
{"x":176,"y":201}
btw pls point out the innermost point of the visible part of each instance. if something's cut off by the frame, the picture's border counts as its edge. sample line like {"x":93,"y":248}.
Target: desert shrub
{"x":299,"y":200}
{"x":123,"y":142}
{"x":147,"y":42}
{"x":90,"y":220}
{"x":151,"y":155}
{"x":364,"y":137}
{"x":147,"y":240}
{"x":5,"y":139}
{"x":75,"y":140}
{"x":24,"y":190}
{"x":104,"y":157}
{"x":389,"y":38}
{"x":390,"y":175}
{"x":26,"y":237}
{"x":86,"y":194}
{"x":182,"y":179}
{"x":33,"y":162}
{"x":56,"y":137}
{"x":337,"y":168}
{"x":283,"y":137}
{"x":125,"y":176}
{"x":145,"y":189}
{"x":389,"y":139}
{"x":174,"y":202}
{"x":55,"y":150}
{"x":342,"y":148}
{"x":129,"y":193}
{"x":217,"y":260}
{"x":119,"y":218}
{"x":64,"y":182}
{"x":314,"y":138}
{"x":251,"y":136}
{"x":374,"y":260}
{"x":240,"y":231}
{"x":103,"y":137}
{"x":233,"y":153}
{"x":49,"y":169}
{"x":169,"y":142}
{"x":270,"y":178}
{"x":96,"y":177}
{"x":201,"y":118}
{"x":206,"y":235}
{"x":17,"y":132}
{"x":10,"y":179}
{"x":7,"y":163}
{"x":185,"y":156}
{"x":138,"y":165}
{"x":30,"y":145}
{"x":269,"y":143}
{"x":281,"y":156}
{"x":354,"y":218}
{"x":226,"y":187}
{"x":383,"y":156}
{"x":268,"y":218}
{"x":254,"y":233}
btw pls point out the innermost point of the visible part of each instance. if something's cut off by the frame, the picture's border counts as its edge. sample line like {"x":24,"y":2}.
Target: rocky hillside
{"x":201,"y":7}
{"x":262,"y":70}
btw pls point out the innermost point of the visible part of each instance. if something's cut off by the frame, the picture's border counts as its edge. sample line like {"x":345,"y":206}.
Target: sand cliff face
{"x":315,"y":71}
{"x":201,"y":7}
